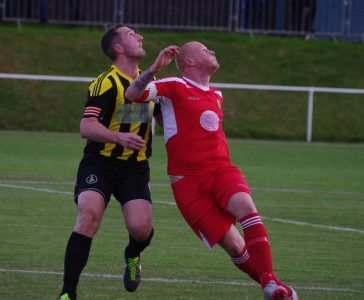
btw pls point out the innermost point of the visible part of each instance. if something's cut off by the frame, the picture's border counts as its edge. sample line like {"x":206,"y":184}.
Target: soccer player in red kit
{"x":210,"y":192}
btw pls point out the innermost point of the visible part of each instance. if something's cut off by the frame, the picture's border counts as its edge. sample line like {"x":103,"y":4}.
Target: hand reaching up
{"x":164,"y":58}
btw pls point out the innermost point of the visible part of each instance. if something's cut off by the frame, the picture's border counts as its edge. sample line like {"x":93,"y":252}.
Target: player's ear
{"x":116,"y":48}
{"x":189,"y":61}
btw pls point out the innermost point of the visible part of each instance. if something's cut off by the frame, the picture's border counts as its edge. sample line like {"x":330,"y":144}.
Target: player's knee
{"x":240,"y":205}
{"x":141,"y":233}
{"x":88,"y":223}
{"x":139,"y":228}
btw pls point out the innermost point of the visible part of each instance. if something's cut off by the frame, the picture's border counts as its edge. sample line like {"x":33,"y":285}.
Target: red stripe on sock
{"x":258,"y":247}
{"x":245,"y":264}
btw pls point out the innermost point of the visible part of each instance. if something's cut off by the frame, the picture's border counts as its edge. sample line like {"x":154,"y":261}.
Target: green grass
{"x":308,"y":194}
{"x":56,"y":50}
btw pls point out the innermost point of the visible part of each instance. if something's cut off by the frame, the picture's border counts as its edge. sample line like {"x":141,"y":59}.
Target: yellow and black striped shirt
{"x":106,"y":102}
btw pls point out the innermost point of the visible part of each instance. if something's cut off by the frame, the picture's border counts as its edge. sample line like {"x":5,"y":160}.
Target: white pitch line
{"x":291,"y":222}
{"x":178,"y":281}
{"x":21,"y":187}
{"x":331,"y":227}
{"x":296,"y":191}
{"x":159,"y":184}
{"x":281,"y":190}
{"x":38,"y":182}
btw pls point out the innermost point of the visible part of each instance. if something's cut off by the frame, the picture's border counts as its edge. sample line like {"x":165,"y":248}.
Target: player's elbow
{"x":135,"y":95}
{"x":85,"y":126}
{"x":83,"y":132}
{"x":130,"y":95}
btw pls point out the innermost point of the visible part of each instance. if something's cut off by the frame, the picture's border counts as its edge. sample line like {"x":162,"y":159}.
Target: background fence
{"x":320,"y":18}
{"x":309,"y":90}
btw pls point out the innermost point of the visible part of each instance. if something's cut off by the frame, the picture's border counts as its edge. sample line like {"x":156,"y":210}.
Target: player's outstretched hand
{"x":164,"y":58}
{"x":135,"y":90}
{"x":130,"y":140}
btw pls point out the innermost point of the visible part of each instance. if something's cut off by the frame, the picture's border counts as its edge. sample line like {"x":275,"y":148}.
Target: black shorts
{"x":108,"y":176}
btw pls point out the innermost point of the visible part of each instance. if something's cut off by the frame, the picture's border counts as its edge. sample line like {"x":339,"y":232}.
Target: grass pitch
{"x":311,"y":197}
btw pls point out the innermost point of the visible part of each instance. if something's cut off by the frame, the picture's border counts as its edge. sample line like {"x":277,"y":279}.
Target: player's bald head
{"x":187,"y":51}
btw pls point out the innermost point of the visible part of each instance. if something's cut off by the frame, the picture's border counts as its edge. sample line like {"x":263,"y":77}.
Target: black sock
{"x":77,"y":251}
{"x":135,"y":247}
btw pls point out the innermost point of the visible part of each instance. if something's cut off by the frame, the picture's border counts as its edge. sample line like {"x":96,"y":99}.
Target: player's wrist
{"x":153,"y":69}
{"x":114,"y":137}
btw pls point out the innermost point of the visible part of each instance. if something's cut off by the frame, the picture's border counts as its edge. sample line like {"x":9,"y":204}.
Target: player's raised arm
{"x":135,"y":90}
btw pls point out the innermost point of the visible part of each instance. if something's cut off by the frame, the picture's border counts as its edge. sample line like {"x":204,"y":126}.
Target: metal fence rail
{"x":322,"y":18}
{"x":309,"y":90}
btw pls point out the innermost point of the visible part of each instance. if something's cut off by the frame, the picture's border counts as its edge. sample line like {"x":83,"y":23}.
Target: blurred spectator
{"x":357,"y":17}
{"x":329,"y":17}
{"x":258,"y":14}
{"x":299,"y":15}
{"x":43,"y":13}
{"x":75,"y":11}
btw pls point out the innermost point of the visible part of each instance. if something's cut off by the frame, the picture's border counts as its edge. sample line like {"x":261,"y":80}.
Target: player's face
{"x":131,"y":42}
{"x":208,"y":59}
{"x":210,"y":56}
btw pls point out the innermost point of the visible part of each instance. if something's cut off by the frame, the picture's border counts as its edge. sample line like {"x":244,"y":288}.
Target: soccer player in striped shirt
{"x":115,"y":161}
{"x":210,"y":192}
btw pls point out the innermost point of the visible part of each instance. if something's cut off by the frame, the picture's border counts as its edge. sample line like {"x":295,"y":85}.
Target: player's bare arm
{"x":142,"y":81}
{"x":164,"y":58}
{"x":92,"y":129}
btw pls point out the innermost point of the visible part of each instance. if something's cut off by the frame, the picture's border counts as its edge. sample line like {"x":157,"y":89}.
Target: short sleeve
{"x":101,"y":96}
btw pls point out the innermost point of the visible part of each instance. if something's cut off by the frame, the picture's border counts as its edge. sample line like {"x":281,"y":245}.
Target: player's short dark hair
{"x":109,"y":39}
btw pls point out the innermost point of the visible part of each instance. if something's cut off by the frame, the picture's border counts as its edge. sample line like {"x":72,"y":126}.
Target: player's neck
{"x":128,"y":67}
{"x":203,"y":79}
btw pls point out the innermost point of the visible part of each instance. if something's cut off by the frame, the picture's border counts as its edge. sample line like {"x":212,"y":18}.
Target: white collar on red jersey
{"x":196,"y":84}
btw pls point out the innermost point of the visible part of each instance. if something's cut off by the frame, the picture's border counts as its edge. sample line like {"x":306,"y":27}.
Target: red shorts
{"x":203,"y":199}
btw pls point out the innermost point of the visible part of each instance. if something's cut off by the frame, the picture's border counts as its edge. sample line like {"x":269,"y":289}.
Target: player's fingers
{"x":172,"y":47}
{"x":135,"y":137}
{"x":171,"y":50}
{"x":136,"y":141}
{"x":132,"y":141}
{"x":134,"y":145}
{"x":174,"y":50}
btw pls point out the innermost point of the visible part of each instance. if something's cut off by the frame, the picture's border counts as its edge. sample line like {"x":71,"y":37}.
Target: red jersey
{"x":192,"y":122}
